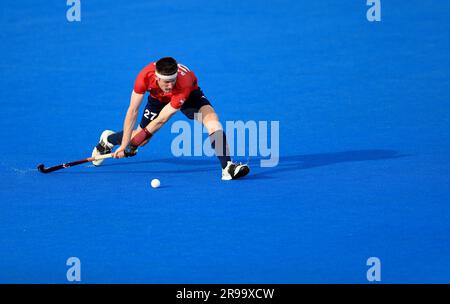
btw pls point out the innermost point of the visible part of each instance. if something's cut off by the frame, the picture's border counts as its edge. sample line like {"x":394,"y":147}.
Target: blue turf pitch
{"x":364,"y":112}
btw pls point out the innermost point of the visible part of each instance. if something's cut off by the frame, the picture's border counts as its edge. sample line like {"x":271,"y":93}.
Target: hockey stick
{"x":42,"y":168}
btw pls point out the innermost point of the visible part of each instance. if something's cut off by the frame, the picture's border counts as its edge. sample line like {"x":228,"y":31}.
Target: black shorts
{"x":192,"y":105}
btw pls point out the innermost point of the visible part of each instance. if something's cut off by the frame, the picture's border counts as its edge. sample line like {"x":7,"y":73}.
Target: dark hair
{"x":167,"y":66}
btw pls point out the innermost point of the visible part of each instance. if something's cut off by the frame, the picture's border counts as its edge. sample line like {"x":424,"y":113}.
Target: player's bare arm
{"x":130,"y":121}
{"x":166,"y":113}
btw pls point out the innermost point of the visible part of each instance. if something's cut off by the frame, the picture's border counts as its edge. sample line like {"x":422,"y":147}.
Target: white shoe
{"x":234,"y":171}
{"x":103,"y":147}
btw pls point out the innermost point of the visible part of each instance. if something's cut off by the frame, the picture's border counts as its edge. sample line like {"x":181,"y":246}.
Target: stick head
{"x":40,"y":167}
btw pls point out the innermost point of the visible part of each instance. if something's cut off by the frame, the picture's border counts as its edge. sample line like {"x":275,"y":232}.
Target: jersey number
{"x":147,"y":114}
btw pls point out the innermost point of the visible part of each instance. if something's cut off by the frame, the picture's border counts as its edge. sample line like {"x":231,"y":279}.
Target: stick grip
{"x":109,"y":155}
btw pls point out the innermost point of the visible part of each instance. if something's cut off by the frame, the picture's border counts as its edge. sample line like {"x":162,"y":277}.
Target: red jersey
{"x":186,"y":83}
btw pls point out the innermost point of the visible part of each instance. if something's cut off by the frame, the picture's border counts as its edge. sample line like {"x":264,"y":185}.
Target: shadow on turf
{"x":309,"y":161}
{"x":286,"y":163}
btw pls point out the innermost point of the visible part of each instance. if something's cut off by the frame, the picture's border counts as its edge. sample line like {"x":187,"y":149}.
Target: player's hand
{"x":125,"y":151}
{"x":119,"y":153}
{"x":130,"y":151}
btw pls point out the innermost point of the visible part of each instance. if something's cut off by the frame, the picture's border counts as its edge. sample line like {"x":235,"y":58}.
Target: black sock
{"x":115,"y":138}
{"x":219,"y":144}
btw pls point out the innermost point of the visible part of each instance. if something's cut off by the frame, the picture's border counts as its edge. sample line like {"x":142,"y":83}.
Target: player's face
{"x":166,"y":85}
